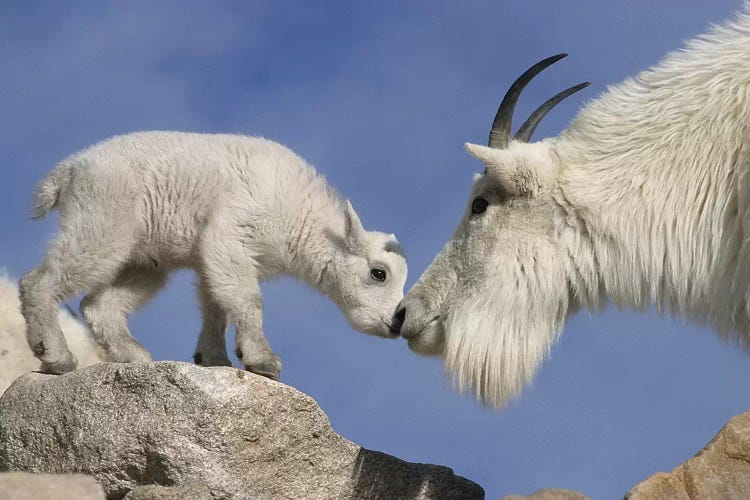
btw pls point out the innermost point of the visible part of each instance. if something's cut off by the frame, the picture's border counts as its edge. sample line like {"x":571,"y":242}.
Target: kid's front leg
{"x":252,"y":347}
{"x":232,"y":285}
{"x":212,"y":348}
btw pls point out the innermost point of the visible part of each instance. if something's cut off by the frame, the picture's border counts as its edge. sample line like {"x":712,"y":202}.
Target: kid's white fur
{"x":239,"y":210}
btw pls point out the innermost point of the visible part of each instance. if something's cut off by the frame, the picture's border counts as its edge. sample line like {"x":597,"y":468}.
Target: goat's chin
{"x":430,"y":341}
{"x":495,"y":344}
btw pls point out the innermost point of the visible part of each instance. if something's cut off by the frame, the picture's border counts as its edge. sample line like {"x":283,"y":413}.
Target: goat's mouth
{"x":415,"y":333}
{"x":392,"y":331}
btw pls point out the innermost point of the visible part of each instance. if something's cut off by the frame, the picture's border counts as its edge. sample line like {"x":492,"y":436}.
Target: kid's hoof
{"x":67,"y":364}
{"x":268,"y":370}
{"x":201,"y":360}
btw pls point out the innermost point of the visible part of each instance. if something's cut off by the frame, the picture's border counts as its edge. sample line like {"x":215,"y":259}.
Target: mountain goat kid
{"x":644,"y":200}
{"x":237,"y":209}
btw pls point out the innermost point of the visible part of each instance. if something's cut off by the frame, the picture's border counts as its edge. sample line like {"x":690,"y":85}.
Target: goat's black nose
{"x":398,"y":318}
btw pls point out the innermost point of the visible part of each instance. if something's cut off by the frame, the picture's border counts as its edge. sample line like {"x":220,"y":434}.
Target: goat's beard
{"x":498,"y":335}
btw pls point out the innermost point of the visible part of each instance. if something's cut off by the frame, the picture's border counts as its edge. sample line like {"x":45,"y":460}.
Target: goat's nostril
{"x":398,"y":318}
{"x":401,"y":314}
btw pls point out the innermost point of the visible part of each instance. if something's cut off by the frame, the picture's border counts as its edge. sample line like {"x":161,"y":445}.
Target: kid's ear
{"x":353,"y":229}
{"x":392,"y":245}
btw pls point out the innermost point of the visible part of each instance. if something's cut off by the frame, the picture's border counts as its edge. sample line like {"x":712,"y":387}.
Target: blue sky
{"x":380,"y":96}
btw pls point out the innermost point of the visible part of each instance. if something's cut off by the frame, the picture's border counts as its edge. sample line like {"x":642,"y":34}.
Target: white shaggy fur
{"x":644,"y":200}
{"x":15,"y":356}
{"x":237,"y":209}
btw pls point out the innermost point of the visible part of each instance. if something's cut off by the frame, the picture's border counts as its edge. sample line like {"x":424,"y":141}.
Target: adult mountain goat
{"x":643,"y":200}
{"x":238,"y":210}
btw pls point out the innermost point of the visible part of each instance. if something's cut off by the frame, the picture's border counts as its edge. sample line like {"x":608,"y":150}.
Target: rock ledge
{"x":170,"y":423}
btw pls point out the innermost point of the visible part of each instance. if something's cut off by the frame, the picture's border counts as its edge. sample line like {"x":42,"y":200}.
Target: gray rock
{"x":26,"y":486}
{"x":170,"y":423}
{"x":188,"y":491}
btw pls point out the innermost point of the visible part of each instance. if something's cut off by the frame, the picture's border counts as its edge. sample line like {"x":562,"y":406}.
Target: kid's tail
{"x":48,"y":191}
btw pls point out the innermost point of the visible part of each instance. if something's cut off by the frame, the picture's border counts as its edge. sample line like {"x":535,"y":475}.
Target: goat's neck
{"x":313,"y":253}
{"x":654,"y":175}
{"x":659,"y":229}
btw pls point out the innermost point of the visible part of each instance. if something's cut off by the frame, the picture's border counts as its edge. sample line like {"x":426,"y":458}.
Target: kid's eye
{"x":377,"y":274}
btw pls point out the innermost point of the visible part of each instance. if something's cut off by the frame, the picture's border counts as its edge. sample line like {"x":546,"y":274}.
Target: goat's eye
{"x":377,"y":274}
{"x":479,"y":206}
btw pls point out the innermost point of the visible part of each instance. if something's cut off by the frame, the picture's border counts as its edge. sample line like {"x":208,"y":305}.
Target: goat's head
{"x":371,"y":272}
{"x":491,"y":303}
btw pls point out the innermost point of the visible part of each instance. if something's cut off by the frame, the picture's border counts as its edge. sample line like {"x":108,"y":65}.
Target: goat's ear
{"x":503,"y":168}
{"x":519,"y":173}
{"x":353,"y":229}
{"x":488,"y":156}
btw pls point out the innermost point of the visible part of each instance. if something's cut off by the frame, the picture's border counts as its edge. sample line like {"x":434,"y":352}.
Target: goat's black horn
{"x":500,"y":132}
{"x":528,"y":127}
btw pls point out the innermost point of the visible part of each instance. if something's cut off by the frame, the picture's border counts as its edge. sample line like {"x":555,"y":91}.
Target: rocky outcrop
{"x":168,"y":430}
{"x":187,"y":491}
{"x":25,"y":486}
{"x":175,"y":424}
{"x":720,"y":470}
{"x":550,"y":494}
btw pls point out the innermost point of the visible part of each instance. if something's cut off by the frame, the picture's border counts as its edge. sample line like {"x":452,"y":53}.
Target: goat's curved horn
{"x":528,"y":127}
{"x":500,"y":132}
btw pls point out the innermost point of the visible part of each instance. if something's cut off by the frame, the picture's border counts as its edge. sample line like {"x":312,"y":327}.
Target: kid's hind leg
{"x":106,"y":312}
{"x":43,"y":332}
{"x":73,"y":264}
